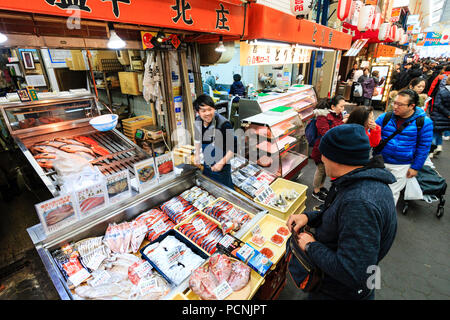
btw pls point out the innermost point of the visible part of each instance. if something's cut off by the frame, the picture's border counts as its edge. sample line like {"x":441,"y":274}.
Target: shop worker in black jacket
{"x":357,"y":223}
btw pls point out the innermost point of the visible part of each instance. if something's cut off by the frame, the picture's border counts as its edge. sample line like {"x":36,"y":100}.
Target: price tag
{"x":286,"y":146}
{"x":159,"y":226}
{"x":100,"y":278}
{"x":141,"y":230}
{"x":173,"y":255}
{"x":96,"y":260}
{"x":223,"y":290}
{"x":256,"y":230}
{"x":148,"y":285}
{"x":143,"y":269}
{"x":79,"y":277}
{"x":226,"y":241}
{"x":199,"y":225}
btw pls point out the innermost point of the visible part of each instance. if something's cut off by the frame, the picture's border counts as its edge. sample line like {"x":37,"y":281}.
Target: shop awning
{"x":270,"y":24}
{"x":220,"y":17}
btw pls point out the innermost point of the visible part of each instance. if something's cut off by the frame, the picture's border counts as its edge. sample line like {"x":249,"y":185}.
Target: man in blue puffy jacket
{"x":405,"y":154}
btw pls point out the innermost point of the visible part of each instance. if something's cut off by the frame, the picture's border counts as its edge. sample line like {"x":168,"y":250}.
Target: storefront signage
{"x":384,"y":51}
{"x":356,"y":48}
{"x":195,"y":15}
{"x":270,"y":24}
{"x":431,"y":39}
{"x":413,"y":19}
{"x":395,"y":15}
{"x":266,"y":54}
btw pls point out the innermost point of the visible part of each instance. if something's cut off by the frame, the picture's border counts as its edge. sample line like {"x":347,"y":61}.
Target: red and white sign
{"x":301,"y":7}
{"x":395,"y":15}
{"x":393,"y":33}
{"x":445,"y":38}
{"x":376,"y":21}
{"x":343,"y":10}
{"x":355,"y":11}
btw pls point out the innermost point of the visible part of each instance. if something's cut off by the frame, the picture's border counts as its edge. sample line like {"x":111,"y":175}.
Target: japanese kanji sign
{"x":226,"y":17}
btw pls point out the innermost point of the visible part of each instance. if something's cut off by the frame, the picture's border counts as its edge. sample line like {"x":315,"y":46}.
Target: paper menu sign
{"x":118,"y":186}
{"x":57,"y":213}
{"x":265,"y":177}
{"x":146,"y":174}
{"x":91,"y":199}
{"x":164,"y":166}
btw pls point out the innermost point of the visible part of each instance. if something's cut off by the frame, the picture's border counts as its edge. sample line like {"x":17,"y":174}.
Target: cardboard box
{"x":129,"y":83}
{"x":77,"y":61}
{"x":98,"y":55}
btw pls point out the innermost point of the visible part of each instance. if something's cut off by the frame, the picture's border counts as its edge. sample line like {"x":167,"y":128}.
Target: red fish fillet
{"x":70,"y":141}
{"x":45,"y":156}
{"x":100,"y":150}
{"x":45,"y":163}
{"x":86,"y":140}
{"x":91,"y":203}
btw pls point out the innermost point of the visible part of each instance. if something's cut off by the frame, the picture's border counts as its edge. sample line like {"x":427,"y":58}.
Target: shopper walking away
{"x":358,"y":222}
{"x":369,"y":83}
{"x":237,"y":91}
{"x":441,"y":115}
{"x":406,"y":134}
{"x":214,"y":139}
{"x":328,"y":115}
{"x":363,"y":116}
{"x":435,"y":85}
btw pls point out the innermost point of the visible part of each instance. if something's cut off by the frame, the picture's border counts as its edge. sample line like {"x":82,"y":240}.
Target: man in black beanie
{"x":357,"y":223}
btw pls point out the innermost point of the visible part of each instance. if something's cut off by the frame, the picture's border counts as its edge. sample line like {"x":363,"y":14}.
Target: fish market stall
{"x":187,"y":238}
{"x":55,"y":135}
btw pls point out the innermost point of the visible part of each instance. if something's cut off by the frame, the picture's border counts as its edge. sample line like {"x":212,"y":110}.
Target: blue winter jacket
{"x":355,"y":232}
{"x":409,"y":146}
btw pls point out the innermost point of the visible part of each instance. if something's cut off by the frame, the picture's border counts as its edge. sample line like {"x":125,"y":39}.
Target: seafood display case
{"x":48,"y":129}
{"x":166,"y":197}
{"x":276,"y":141}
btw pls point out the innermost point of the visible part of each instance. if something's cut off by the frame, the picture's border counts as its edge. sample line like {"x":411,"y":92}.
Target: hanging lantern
{"x":301,"y":7}
{"x":383,"y":33}
{"x":393,"y":32}
{"x":401,"y":33}
{"x":343,"y":9}
{"x":365,"y":19}
{"x":354,"y":12}
{"x":376,"y":21}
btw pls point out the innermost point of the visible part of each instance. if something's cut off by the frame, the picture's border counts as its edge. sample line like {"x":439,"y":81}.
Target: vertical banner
{"x":336,"y":73}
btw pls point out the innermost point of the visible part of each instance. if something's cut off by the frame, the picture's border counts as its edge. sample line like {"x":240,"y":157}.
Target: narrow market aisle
{"x":418,"y":264}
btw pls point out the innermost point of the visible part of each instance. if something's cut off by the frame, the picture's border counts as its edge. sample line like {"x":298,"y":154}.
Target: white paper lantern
{"x":401,"y":33}
{"x":393,"y":33}
{"x":355,"y":12}
{"x":376,"y":21}
{"x":365,"y":19}
{"x":301,"y":7}
{"x":343,"y":9}
{"x":384,"y":30}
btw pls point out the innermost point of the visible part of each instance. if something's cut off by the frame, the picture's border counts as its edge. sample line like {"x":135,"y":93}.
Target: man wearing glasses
{"x":406,"y":136}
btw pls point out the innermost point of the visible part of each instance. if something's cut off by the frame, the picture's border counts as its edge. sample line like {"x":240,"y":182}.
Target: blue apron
{"x":224,"y":176}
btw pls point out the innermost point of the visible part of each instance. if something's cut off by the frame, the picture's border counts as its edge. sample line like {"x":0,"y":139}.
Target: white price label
{"x":79,"y":277}
{"x":226,"y":241}
{"x":199,"y":225}
{"x":256,"y":230}
{"x":173,"y":255}
{"x":100,"y":278}
{"x":148,"y":285}
{"x":143,"y":269}
{"x":159,"y":226}
{"x":223,"y":290}
{"x":96,"y":260}
{"x":140,"y":230}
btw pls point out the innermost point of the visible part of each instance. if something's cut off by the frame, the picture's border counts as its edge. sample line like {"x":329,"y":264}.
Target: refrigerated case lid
{"x":270,"y":118}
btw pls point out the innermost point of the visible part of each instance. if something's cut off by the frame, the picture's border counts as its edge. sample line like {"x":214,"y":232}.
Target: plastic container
{"x":245,"y":293}
{"x":280,"y":185}
{"x":105,"y":122}
{"x":269,"y":225}
{"x":180,"y":238}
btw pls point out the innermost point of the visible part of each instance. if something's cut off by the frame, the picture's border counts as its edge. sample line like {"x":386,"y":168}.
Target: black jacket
{"x":355,"y":232}
{"x":441,"y":108}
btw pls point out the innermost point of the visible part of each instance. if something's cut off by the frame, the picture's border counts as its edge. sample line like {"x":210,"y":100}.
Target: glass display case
{"x":34,"y":114}
{"x":301,"y":98}
{"x":276,"y":141}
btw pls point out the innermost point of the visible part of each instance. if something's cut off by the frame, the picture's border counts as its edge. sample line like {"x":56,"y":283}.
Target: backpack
{"x":358,"y":90}
{"x":311,"y":131}
{"x":419,"y":121}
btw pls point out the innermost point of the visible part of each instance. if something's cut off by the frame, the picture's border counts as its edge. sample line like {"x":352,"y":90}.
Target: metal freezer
{"x":127,"y":210}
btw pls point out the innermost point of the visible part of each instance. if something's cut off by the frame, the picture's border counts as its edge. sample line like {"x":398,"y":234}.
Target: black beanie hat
{"x":346,"y":144}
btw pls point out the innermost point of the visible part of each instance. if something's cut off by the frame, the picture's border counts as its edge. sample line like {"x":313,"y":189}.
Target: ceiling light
{"x":268,"y":43}
{"x":3,"y":38}
{"x":160,"y":36}
{"x":221,"y":47}
{"x":114,"y":40}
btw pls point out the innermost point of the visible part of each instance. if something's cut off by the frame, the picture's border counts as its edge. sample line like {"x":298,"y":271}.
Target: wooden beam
{"x":187,"y":95}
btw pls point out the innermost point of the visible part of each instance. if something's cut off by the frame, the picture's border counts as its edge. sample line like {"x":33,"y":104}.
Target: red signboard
{"x":222,"y":17}
{"x":270,"y":24}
